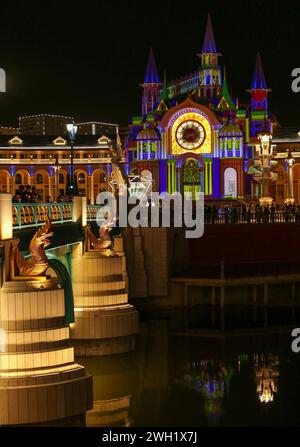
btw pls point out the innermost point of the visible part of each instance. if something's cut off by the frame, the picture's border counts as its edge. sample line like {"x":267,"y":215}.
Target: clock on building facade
{"x":191,"y":132}
{"x":190,"y":135}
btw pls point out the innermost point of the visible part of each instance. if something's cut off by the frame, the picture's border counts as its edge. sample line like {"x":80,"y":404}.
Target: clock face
{"x":190,"y":135}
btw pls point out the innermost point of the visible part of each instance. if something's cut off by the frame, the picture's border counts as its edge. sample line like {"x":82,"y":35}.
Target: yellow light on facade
{"x":206,"y":147}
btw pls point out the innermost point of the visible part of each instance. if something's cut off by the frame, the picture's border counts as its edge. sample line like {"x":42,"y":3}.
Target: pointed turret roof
{"x":151,"y":75}
{"x":164,"y":93}
{"x":259,"y":80}
{"x":209,"y":39}
{"x":226,"y":103}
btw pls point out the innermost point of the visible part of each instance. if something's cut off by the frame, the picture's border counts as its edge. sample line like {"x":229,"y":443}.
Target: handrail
{"x":34,"y":214}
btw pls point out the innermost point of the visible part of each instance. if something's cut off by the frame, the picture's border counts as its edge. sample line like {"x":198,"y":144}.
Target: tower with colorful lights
{"x":193,"y":136}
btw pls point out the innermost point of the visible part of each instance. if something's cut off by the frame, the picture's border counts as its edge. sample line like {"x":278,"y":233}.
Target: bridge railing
{"x":33,"y":214}
{"x":251,"y":218}
{"x":92,"y":211}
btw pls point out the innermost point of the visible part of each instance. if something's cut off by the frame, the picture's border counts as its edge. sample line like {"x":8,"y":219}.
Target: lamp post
{"x":72,"y":189}
{"x":290,"y":161}
{"x":265,"y":152}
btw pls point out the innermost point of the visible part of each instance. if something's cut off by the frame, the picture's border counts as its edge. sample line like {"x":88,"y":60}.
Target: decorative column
{"x":50,"y":188}
{"x":6,"y":223}
{"x":290,"y":200}
{"x":210,"y":178}
{"x":226,"y":147}
{"x":92,"y":194}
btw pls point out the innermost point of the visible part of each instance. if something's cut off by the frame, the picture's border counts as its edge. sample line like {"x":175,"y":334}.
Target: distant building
{"x":96,"y":128}
{"x":44,"y":162}
{"x":44,"y":124}
{"x":8,"y":130}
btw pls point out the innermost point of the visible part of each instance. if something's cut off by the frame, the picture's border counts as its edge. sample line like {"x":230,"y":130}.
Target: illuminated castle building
{"x":193,"y":136}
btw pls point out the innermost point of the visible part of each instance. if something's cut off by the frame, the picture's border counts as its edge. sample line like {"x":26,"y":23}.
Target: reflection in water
{"x":267,"y":374}
{"x":179,"y":380}
{"x":211,"y":379}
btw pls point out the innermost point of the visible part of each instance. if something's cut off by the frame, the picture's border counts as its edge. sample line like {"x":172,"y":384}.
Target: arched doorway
{"x":230,"y":183}
{"x":147,"y":179}
{"x":4,"y":181}
{"x":99,"y":181}
{"x":41,"y":183}
{"x":192,"y":178}
{"x":61,"y":272}
{"x":81,"y":182}
{"x":21,"y":177}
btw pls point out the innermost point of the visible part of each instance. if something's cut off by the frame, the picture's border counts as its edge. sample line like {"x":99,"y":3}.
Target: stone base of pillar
{"x":105,"y":323}
{"x":110,"y":413}
{"x":109,"y":346}
{"x":39,"y":380}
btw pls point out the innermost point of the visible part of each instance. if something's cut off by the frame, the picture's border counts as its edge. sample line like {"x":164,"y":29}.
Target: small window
{"x":81,"y":178}
{"x":18,"y":179}
{"x":61,"y":179}
{"x":39,"y":179}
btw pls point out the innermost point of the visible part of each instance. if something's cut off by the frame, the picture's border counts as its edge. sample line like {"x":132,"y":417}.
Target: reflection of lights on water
{"x":266,"y":397}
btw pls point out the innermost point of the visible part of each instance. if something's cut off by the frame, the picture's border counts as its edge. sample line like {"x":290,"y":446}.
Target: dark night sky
{"x":87,"y":59}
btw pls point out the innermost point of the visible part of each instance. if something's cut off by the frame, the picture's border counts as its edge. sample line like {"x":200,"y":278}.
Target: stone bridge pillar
{"x":105,"y":323}
{"x":39,"y":380}
{"x":6,"y":223}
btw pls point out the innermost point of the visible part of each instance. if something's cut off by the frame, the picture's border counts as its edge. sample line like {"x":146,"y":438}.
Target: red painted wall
{"x":235,"y":244}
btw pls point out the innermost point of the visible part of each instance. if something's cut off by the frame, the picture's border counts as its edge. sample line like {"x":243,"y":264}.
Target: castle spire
{"x":151,"y":75}
{"x":226,"y":102}
{"x":259,"y":80}
{"x":209,"y":39}
{"x":259,"y":90}
{"x":151,"y":86}
{"x":210,"y":78}
{"x":164,"y":93}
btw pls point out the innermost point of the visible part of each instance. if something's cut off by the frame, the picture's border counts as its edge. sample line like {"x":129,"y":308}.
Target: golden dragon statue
{"x":38,"y":264}
{"x":105,"y":242}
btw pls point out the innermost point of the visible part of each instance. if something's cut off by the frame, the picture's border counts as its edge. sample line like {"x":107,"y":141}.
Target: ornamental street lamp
{"x":290,"y":161}
{"x":72,"y":189}
{"x":265,"y":153}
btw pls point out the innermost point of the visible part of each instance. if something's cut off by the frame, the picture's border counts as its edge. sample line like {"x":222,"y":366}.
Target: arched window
{"x":230,"y":183}
{"x":146,"y":179}
{"x":81,"y":178}
{"x":39,"y":179}
{"x":191,"y":178}
{"x":18,"y":179}
{"x":61,"y":179}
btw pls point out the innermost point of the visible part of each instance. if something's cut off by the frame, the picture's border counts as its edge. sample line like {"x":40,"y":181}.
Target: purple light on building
{"x":163,"y":176}
{"x":216,"y":178}
{"x":108,"y":169}
{"x":90,"y":170}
